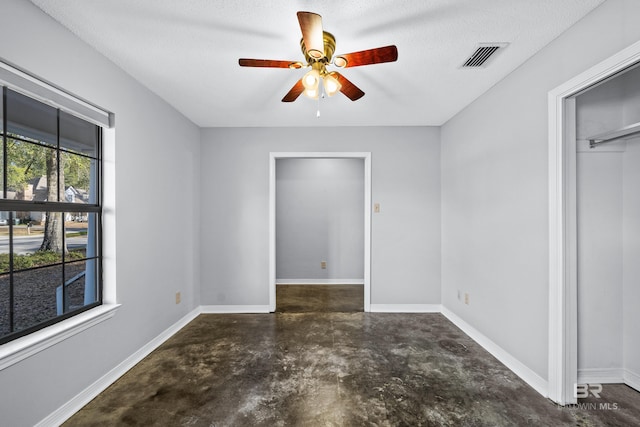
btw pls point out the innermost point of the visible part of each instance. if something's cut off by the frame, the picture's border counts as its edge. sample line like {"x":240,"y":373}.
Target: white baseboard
{"x":525,"y":373}
{"x":231,"y":309}
{"x":632,"y":379}
{"x":319,"y":281}
{"x":534,"y":380}
{"x":63,"y":413}
{"x":609,"y":376}
{"x":601,"y":376}
{"x":406,"y":308}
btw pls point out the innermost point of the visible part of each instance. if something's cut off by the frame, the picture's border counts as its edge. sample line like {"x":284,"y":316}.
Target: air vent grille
{"x":482,"y":54}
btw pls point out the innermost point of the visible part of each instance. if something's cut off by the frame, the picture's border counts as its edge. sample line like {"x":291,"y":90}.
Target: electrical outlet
{"x":376,"y":207}
{"x":466,"y":298}
{"x":323,"y":265}
{"x":178,"y":298}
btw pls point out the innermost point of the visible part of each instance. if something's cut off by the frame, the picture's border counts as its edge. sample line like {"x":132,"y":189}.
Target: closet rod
{"x":624,"y":132}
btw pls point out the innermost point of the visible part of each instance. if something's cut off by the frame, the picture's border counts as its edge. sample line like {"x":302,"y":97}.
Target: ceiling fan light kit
{"x":331,"y":84}
{"x":318,"y":47}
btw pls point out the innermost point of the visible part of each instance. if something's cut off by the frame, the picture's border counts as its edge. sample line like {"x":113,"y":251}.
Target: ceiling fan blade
{"x":351,"y":91}
{"x":295,"y":92}
{"x":311,"y":26}
{"x":268,"y":63}
{"x":367,"y":57}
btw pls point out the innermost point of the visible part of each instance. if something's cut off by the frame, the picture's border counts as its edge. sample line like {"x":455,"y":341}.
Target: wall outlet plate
{"x":178,"y":298}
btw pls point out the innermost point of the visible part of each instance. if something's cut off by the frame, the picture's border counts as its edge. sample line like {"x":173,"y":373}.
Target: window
{"x":50,"y":215}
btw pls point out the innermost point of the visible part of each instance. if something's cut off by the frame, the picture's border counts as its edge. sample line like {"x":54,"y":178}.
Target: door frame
{"x":563,"y":319}
{"x":366,"y":156}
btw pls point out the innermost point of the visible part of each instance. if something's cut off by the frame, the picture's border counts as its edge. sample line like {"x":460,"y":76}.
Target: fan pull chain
{"x":320,"y":95}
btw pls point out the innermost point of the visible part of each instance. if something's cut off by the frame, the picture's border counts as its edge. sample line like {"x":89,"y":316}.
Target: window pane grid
{"x":62,"y":149}
{"x":22,"y":183}
{"x":50,"y":215}
{"x":75,"y":153}
{"x":67,"y":261}
{"x":22,"y":306}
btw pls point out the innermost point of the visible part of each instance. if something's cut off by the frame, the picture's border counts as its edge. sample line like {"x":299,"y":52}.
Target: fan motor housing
{"x":329,"y":48}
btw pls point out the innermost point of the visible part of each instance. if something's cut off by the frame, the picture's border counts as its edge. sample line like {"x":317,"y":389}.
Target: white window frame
{"x":21,"y":81}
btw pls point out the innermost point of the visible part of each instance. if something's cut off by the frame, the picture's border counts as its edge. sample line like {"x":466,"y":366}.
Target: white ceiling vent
{"x":482,"y":54}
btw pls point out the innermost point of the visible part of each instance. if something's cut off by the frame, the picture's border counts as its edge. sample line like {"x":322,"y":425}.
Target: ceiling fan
{"x":318,"y":47}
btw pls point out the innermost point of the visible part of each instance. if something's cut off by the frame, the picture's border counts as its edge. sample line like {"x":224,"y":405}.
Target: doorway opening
{"x":607,"y":123}
{"x":573,"y":151}
{"x":319,"y":241}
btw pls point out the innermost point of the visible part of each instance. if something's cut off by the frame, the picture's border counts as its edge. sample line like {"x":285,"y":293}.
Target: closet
{"x":608,"y":230}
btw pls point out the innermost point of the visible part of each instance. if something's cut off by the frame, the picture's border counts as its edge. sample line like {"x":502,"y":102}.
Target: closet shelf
{"x":614,"y":135}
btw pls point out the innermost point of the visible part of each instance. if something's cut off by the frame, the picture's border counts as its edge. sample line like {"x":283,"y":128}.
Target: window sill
{"x":15,"y":351}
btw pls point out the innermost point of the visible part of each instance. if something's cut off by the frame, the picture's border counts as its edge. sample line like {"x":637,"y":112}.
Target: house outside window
{"x":50,"y":215}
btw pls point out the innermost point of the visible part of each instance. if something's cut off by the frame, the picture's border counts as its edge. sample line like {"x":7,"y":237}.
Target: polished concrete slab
{"x":334,"y":369}
{"x":319,"y":298}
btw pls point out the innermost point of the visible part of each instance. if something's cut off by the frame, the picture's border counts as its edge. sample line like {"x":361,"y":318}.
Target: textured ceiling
{"x":187,"y":51}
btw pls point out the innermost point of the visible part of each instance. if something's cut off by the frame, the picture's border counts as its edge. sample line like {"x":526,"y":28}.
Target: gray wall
{"x":235,"y":221}
{"x":157,"y":194}
{"x":320,"y":217}
{"x":494,"y":188}
{"x":608,"y":199}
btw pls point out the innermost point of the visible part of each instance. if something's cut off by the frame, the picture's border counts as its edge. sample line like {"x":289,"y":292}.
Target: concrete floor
{"x":334,"y":369}
{"x":319,"y":298}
